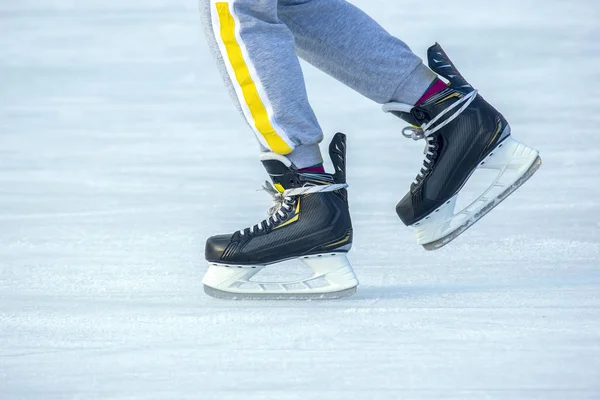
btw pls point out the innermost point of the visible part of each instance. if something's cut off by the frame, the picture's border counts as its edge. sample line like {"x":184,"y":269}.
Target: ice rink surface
{"x":120,"y":152}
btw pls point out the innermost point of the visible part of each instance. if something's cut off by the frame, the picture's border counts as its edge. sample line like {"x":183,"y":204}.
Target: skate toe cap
{"x":405,"y":210}
{"x":216,"y":247}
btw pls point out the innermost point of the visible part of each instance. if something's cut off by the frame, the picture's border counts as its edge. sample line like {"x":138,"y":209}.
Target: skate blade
{"x":222,"y":295}
{"x":514,"y":162}
{"x":486,"y":209}
{"x":333,"y":277}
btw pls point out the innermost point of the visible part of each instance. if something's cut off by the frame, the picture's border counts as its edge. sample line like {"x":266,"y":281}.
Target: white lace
{"x":425,"y":130}
{"x":417,"y":133}
{"x":285,"y":200}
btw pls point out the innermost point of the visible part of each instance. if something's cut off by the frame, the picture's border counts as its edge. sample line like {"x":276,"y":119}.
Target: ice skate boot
{"x":463,"y":133}
{"x":309,"y":221}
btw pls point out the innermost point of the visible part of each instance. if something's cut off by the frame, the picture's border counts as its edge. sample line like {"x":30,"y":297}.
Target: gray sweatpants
{"x":256,"y":43}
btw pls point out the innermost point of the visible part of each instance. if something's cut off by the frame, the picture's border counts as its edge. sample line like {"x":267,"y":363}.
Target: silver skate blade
{"x":220,"y":294}
{"x":456,"y":233}
{"x":332,"y":277}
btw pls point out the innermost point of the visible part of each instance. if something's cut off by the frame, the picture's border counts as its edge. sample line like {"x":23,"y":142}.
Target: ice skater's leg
{"x":343,"y":41}
{"x":256,"y":54}
{"x":463,"y":132}
{"x":310,"y":219}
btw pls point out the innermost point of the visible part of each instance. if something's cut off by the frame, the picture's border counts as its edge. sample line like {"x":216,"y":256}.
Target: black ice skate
{"x":463,"y":133}
{"x":309,"y":221}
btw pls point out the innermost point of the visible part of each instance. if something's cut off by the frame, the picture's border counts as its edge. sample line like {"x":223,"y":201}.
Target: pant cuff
{"x":305,"y":155}
{"x":414,"y":86}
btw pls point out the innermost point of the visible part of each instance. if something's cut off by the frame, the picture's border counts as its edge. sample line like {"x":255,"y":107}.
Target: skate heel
{"x":333,"y":277}
{"x":334,"y":269}
{"x":510,"y":154}
{"x":515,"y":163}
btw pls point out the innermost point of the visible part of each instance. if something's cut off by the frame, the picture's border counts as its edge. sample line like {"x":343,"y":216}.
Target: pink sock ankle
{"x":437,"y":86}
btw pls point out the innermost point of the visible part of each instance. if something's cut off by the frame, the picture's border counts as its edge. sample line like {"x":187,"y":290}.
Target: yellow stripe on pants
{"x":243,"y":78}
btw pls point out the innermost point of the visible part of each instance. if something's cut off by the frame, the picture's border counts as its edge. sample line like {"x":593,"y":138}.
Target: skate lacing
{"x":430,"y":153}
{"x":424,"y":132}
{"x":285,"y":201}
{"x":420,"y":132}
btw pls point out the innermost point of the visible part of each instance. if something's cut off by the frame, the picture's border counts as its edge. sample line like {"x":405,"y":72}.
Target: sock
{"x":436,"y":86}
{"x":314,"y":168}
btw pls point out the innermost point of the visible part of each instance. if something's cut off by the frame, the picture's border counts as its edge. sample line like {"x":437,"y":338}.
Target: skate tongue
{"x":281,"y":170}
{"x":285,"y":175}
{"x":270,"y":156}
